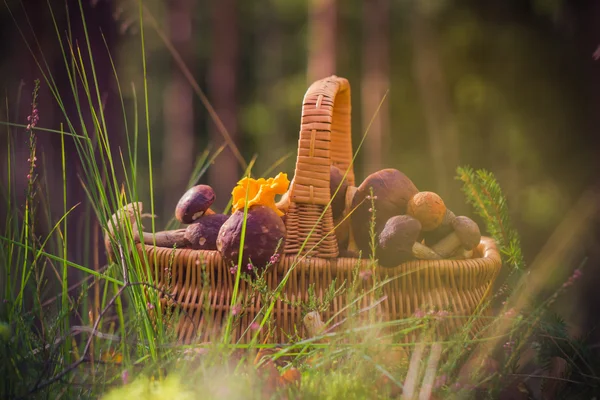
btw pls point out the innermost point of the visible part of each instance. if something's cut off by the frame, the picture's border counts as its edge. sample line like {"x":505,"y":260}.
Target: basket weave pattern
{"x":201,"y":285}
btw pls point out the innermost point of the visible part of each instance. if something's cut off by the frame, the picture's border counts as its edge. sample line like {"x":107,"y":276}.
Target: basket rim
{"x":487,"y":248}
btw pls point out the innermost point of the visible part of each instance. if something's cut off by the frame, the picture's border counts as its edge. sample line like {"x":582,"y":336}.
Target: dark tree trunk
{"x":375,"y":81}
{"x":178,"y":138}
{"x":435,"y":102}
{"x":222,"y":92}
{"x":322,"y":21}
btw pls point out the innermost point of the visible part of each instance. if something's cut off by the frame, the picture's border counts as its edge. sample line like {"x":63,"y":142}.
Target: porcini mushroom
{"x":398,"y":242}
{"x":203,"y":234}
{"x":195,"y":203}
{"x":264,"y":232}
{"x":441,"y":231}
{"x":466,"y":234}
{"x":172,"y":238}
{"x":338,"y":202}
{"x":391,"y":192}
{"x":428,"y":208}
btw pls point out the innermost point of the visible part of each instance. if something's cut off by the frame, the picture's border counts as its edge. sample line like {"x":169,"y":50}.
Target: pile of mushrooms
{"x":409,"y":224}
{"x":207,"y":230}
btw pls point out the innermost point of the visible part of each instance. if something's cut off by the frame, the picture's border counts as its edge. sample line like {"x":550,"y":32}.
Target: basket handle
{"x":325,"y":139}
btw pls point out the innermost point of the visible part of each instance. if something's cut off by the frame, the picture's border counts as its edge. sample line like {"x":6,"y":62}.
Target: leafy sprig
{"x":485,"y":195}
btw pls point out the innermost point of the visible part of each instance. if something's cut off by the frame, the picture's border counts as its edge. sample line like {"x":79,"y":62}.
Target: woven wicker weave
{"x":201,"y":284}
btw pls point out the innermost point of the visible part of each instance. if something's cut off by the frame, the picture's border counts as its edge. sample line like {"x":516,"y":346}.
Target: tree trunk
{"x":322,"y":22}
{"x":222,"y":82}
{"x":435,"y":104}
{"x":178,"y":139}
{"x":375,"y":81}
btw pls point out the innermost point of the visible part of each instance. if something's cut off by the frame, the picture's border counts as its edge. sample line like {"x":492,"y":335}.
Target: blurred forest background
{"x":507,"y":85}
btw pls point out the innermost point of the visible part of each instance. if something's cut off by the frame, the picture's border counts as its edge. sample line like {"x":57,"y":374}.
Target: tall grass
{"x":65,"y":346}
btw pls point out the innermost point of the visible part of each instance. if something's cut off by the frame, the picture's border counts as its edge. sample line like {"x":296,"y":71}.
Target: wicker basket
{"x":201,"y":284}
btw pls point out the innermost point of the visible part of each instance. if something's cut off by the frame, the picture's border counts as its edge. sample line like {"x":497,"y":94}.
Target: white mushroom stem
{"x":447,"y":245}
{"x":202,"y":213}
{"x":117,"y":222}
{"x":283,"y":204}
{"x":423,"y":252}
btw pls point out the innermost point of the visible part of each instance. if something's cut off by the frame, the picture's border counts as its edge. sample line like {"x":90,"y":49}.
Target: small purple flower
{"x":255,"y":326}
{"x":233,"y":270}
{"x":125,"y":377}
{"x":28,"y":176}
{"x":370,"y":210}
{"x":508,"y":346}
{"x":510,"y":313}
{"x":235,"y":310}
{"x":365,"y":275}
{"x":150,"y":306}
{"x":419,"y":313}
{"x":274,"y":258}
{"x":441,"y":314}
{"x":249,"y":266}
{"x":440,"y":381}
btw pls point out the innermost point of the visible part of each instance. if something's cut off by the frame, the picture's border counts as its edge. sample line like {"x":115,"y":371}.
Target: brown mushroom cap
{"x":428,"y":208}
{"x":467,"y":231}
{"x":396,"y":240}
{"x":203,"y":233}
{"x":336,"y":179}
{"x":392,"y":190}
{"x":264,"y":230}
{"x":194,"y":203}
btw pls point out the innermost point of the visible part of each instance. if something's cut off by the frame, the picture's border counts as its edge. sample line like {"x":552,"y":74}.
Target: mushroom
{"x":203,"y":233}
{"x":441,"y":231}
{"x":338,"y":202}
{"x":195,"y":203}
{"x":391,"y":190}
{"x":398,"y":242}
{"x":264,"y":232}
{"x":465,"y":234}
{"x":253,"y":192}
{"x":117,"y":222}
{"x":172,"y":238}
{"x":314,"y":324}
{"x":428,"y":208}
{"x":283,"y":204}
